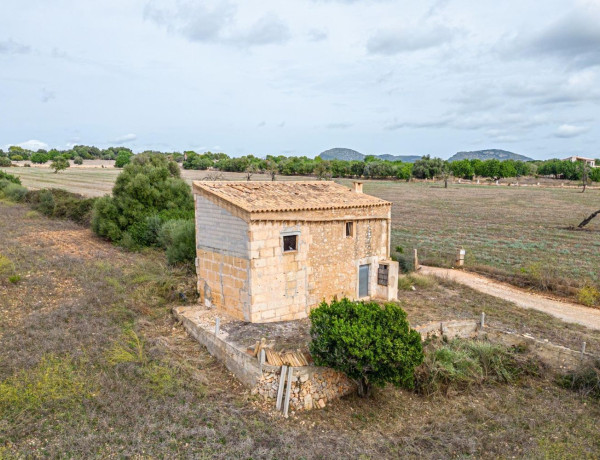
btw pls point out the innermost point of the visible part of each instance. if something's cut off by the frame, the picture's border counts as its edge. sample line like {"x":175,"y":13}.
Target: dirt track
{"x":566,"y":311}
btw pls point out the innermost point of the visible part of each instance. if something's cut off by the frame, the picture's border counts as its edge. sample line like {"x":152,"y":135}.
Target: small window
{"x":349,"y":229}
{"x":382,"y":275}
{"x":290,"y":243}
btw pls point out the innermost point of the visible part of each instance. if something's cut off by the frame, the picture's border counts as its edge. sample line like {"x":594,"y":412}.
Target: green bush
{"x":178,"y":237}
{"x":16,"y":157}
{"x":588,"y":296}
{"x":15,"y":192}
{"x":5,"y":162}
{"x":146,"y":187}
{"x":370,"y":343}
{"x":461,"y":364}
{"x":78,"y":160}
{"x":585,"y":380}
{"x":9,"y":178}
{"x":62,"y":204}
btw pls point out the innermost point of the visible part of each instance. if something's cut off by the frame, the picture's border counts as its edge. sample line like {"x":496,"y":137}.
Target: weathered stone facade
{"x":244,"y":269}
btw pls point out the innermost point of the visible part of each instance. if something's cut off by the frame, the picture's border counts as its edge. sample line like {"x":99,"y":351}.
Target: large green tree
{"x":147,"y":193}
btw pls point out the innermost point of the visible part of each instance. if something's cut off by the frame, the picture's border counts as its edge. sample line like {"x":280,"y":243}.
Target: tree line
{"x":370,"y":168}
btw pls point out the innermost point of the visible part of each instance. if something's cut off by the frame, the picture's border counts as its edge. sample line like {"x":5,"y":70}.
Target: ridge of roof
{"x":267,"y":196}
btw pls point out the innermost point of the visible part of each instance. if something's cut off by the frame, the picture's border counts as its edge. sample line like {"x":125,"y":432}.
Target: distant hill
{"x":492,"y":154}
{"x":352,"y":155}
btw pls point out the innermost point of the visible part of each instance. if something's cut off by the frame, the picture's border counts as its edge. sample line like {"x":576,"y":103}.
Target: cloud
{"x":12,"y":47}
{"x":390,"y":42}
{"x":261,"y":124}
{"x":267,"y":30}
{"x":124,"y":139}
{"x":31,"y":144}
{"x":566,"y":131}
{"x":201,"y":23}
{"x":316,"y":35}
{"x":574,"y":39}
{"x":339,"y":125}
{"x":47,"y":95}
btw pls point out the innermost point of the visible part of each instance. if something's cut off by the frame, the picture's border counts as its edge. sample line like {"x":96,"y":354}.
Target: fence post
{"x":286,"y":404}
{"x":281,"y":387}
{"x":583,"y":344}
{"x":482,"y":325}
{"x":415,"y":259}
{"x":262,"y":358}
{"x":217,"y":325}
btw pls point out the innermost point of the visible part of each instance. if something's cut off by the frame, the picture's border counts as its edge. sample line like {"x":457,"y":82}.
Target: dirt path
{"x":569,"y":312}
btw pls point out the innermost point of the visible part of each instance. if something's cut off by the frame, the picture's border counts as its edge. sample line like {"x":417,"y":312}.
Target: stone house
{"x":271,"y":251}
{"x":574,"y":159}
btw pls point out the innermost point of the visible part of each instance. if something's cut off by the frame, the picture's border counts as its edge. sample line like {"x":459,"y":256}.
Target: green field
{"x":510,"y":232}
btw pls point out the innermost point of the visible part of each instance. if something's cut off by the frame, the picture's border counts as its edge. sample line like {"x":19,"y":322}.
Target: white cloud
{"x":570,"y":130}
{"x":12,"y":47}
{"x":31,"y":144}
{"x":125,"y":138}
{"x":389,"y":42}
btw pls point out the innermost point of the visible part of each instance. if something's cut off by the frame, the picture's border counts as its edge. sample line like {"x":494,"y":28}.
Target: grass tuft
{"x":585,"y":381}
{"x":460,"y":364}
{"x":55,"y":382}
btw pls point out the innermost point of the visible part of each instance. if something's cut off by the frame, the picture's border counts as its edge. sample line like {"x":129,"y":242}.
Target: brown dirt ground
{"x":179,"y":402}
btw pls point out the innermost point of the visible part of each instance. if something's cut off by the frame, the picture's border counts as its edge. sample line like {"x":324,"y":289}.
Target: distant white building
{"x":574,"y":159}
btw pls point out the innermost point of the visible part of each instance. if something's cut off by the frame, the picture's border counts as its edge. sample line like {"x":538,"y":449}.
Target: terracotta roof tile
{"x":262,"y":196}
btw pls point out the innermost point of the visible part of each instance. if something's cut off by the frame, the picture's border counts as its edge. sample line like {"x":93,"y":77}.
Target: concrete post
{"x":460,"y":257}
{"x":416,"y":259}
{"x":583,"y":344}
{"x":482,"y":323}
{"x":217,"y":325}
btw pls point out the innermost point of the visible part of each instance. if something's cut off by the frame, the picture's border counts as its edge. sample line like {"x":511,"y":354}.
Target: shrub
{"x":146,"y":187}
{"x":16,"y":157}
{"x":371,"y":344}
{"x":62,"y":204}
{"x":15,"y":192}
{"x":588,"y":295}
{"x":461,"y":364}
{"x":5,"y":162}
{"x":178,"y":237}
{"x":9,"y":178}
{"x":585,"y":380}
{"x":78,"y":160}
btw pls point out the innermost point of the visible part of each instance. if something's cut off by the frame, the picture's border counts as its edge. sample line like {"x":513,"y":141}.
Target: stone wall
{"x":286,"y":285}
{"x":554,"y":356}
{"x":223,"y":259}
{"x":313,"y":387}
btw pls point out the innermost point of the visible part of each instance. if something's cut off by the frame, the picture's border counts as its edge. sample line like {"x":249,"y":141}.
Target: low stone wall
{"x":312,"y":386}
{"x":555,"y":356}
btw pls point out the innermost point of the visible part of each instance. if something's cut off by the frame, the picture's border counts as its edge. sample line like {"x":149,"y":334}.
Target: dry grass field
{"x":92,"y":365}
{"x":97,"y":177}
{"x":509,"y":232}
{"x":518,"y":230}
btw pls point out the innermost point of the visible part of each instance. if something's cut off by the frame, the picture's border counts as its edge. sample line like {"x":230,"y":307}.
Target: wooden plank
{"x":282,"y":377}
{"x":286,"y":405}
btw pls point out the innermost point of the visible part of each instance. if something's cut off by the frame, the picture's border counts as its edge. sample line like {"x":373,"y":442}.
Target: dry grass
{"x":93,"y":180}
{"x":135,"y":385}
{"x":519,"y":234}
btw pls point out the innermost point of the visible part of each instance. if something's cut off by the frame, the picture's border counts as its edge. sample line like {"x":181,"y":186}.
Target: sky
{"x":409,"y":77}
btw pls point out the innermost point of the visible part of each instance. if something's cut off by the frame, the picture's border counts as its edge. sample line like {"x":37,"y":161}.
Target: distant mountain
{"x":353,"y":155}
{"x":492,"y":154}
